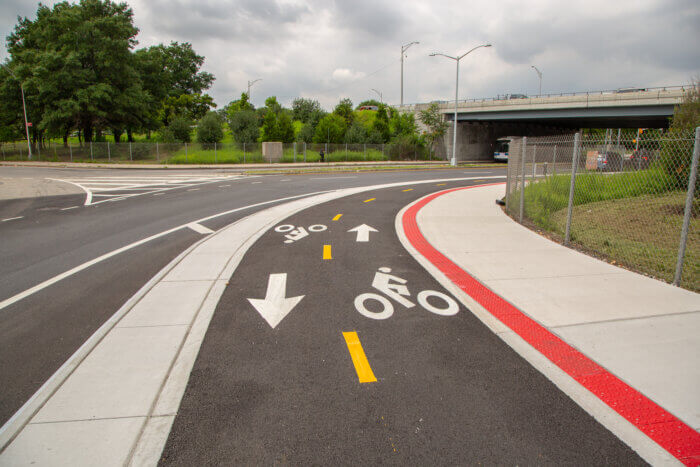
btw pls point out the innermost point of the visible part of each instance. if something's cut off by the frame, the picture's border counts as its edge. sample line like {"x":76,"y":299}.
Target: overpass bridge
{"x":481,"y":121}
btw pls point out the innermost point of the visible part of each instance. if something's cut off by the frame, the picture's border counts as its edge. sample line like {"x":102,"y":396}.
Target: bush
{"x":209,"y":129}
{"x":181,"y":130}
{"x":244,"y":126}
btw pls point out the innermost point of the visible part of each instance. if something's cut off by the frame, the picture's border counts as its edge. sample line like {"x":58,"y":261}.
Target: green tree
{"x":330,"y":129}
{"x":677,"y":148}
{"x":269,"y":130}
{"x":181,"y":129}
{"x":344,"y":109}
{"x":380,"y":126}
{"x":369,"y":102}
{"x":188,"y":106}
{"x":357,"y":134}
{"x":435,"y":124}
{"x":303,"y":109}
{"x":209,"y":129}
{"x":272,"y":105}
{"x":244,"y":126}
{"x":285,"y":128}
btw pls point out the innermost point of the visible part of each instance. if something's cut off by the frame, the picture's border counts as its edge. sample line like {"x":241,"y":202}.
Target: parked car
{"x":641,"y":158}
{"x":609,"y":161}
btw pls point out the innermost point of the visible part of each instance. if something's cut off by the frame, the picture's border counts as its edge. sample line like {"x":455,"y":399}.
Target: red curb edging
{"x":680,"y":440}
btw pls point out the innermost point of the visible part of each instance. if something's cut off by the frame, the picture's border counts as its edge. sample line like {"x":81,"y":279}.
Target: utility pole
{"x":250,"y":83}
{"x":539,"y":73}
{"x":454,"y":130}
{"x":404,"y":48}
{"x":24,"y":106}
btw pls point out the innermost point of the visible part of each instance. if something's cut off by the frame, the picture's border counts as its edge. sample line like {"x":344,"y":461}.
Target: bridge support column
{"x":474,"y":141}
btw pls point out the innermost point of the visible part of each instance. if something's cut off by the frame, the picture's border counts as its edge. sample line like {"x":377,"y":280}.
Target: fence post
{"x":304,"y":151}
{"x":131,"y":156}
{"x":522,"y":178}
{"x":244,"y":153}
{"x":215,"y":159}
{"x":109,"y":156}
{"x":346,"y":152}
{"x":534,"y":162}
{"x":157,"y":153}
{"x":364,"y":150}
{"x":2,"y":146}
{"x":185,"y":152}
{"x":70,"y":149}
{"x":688,"y":208}
{"x":91,"y":158}
{"x":554,"y":161}
{"x":572,"y":188}
{"x":295,"y":151}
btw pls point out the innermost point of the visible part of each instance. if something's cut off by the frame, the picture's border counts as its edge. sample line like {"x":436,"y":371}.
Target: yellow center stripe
{"x":409,"y":189}
{"x":364,"y":371}
{"x":440,"y":184}
{"x":368,"y":200}
{"x":327,"y":252}
{"x":337,"y":216}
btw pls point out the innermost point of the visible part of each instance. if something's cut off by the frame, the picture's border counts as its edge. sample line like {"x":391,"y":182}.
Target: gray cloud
{"x":329,"y":50}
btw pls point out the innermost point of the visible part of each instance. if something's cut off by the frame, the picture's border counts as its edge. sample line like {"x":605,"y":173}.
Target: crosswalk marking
{"x":117,"y":188}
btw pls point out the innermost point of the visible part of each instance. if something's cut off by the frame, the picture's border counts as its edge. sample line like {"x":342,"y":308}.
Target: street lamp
{"x":24,"y":106}
{"x":454,"y":131}
{"x":404,"y":48}
{"x":250,"y":83}
{"x":380,"y":96}
{"x":539,"y":73}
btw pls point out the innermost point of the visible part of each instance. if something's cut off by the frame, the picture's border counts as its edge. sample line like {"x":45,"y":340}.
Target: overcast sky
{"x":333,"y":49}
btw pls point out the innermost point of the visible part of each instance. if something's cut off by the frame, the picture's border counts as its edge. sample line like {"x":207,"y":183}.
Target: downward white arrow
{"x":363,"y":232}
{"x":275,"y":306}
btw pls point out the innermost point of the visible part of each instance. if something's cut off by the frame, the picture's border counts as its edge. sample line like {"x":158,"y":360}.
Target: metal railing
{"x":632,"y":201}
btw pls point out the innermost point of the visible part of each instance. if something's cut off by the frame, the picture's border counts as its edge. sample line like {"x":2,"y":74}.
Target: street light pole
{"x":539,"y":74}
{"x":404,"y":48}
{"x":454,"y":130}
{"x":24,"y":107}
{"x":380,"y":96}
{"x":250,"y":83}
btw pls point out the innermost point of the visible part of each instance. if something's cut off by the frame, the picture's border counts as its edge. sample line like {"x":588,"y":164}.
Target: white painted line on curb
{"x":68,"y":208}
{"x":199,"y":228}
{"x":12,"y":218}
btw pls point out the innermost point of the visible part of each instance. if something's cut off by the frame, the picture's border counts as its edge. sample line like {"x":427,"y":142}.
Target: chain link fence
{"x":630,"y":198}
{"x":214,"y":153}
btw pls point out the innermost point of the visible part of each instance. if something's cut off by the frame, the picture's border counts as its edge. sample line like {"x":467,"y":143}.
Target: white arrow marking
{"x":363,"y":232}
{"x":275,"y":306}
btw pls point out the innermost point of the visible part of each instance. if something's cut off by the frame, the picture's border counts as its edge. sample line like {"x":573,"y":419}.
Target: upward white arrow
{"x":274,"y":307}
{"x":363,"y":232}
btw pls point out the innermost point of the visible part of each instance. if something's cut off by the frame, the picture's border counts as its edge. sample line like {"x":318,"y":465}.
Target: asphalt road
{"x":45,"y":237}
{"x":447,"y":390}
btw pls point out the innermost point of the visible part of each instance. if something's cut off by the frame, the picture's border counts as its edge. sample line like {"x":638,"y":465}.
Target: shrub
{"x":181,"y":130}
{"x":209,"y":129}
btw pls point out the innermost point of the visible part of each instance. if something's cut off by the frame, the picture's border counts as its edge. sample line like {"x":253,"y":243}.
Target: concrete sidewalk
{"x":643,"y":331}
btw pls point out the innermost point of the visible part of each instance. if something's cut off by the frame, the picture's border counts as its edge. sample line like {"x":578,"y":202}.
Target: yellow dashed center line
{"x":409,"y":189}
{"x":337,"y":216}
{"x":327,"y":252}
{"x":368,"y":200}
{"x":440,"y":184}
{"x":359,"y":359}
{"x":482,"y":180}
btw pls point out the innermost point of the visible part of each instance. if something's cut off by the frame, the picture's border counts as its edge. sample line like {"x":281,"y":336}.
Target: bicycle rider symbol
{"x":395,"y":288}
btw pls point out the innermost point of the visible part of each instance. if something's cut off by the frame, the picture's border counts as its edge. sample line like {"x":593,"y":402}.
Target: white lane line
{"x":12,"y":218}
{"x":256,"y":182}
{"x":329,"y":178}
{"x":221,"y":186}
{"x":199,"y":228}
{"x":68,"y":208}
{"x":286,"y":180}
{"x":158,"y":194}
{"x":32,"y":290}
{"x":193,"y":189}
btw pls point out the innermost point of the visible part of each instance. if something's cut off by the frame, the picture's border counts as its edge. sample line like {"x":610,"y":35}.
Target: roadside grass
{"x":641,"y":233}
{"x":229,"y":155}
{"x":633,"y":219}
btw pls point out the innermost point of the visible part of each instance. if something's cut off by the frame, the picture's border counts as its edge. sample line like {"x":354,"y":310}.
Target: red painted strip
{"x":666,"y":430}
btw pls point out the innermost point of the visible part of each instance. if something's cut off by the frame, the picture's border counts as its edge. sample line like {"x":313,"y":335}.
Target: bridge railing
{"x":629,"y":198}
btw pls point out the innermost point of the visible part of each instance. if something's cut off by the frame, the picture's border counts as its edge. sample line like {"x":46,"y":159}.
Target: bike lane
{"x":307,"y":372}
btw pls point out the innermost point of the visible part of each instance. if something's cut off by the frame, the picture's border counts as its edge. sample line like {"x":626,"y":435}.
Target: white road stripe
{"x":68,"y":208}
{"x":199,"y":228}
{"x":12,"y":218}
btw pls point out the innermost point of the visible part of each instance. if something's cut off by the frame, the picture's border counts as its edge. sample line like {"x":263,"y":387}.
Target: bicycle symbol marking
{"x":297,"y":233}
{"x":395,"y":288}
